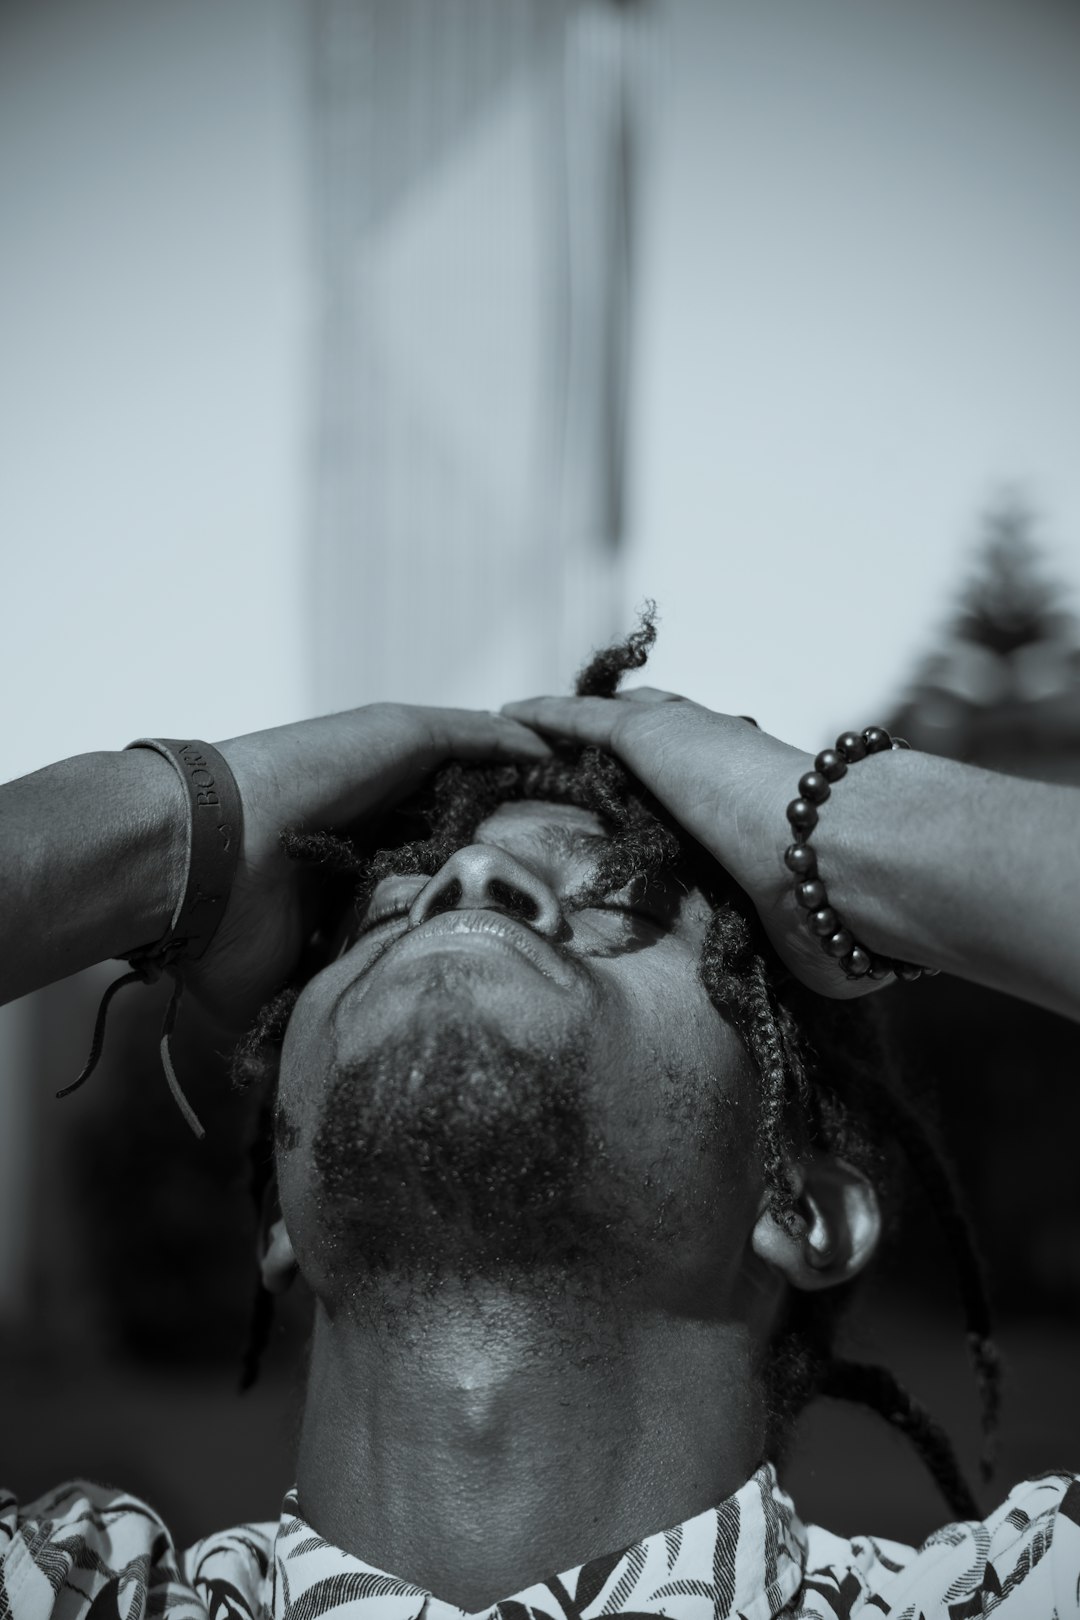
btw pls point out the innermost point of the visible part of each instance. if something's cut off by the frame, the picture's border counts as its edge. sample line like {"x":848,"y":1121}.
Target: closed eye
{"x":653,"y":901}
{"x":374,"y":917}
{"x":624,"y":908}
{"x":393,"y":899}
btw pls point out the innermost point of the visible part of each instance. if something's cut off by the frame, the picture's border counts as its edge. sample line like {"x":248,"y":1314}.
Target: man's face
{"x":496,"y":1079}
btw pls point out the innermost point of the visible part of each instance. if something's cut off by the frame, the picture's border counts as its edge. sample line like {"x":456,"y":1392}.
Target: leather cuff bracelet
{"x":215,"y":834}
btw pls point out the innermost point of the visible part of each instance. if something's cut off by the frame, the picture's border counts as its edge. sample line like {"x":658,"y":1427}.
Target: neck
{"x":477,"y":1440}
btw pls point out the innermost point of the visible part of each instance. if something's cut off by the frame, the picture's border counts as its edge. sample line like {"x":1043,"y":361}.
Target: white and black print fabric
{"x":85,"y":1552}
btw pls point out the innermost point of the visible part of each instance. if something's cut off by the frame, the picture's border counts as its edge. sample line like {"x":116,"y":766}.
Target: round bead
{"x":840,"y":943}
{"x":802,"y":815}
{"x":811,"y":895}
{"x":851,"y":746}
{"x":907,"y":971}
{"x":877,"y":739}
{"x":900,"y":742}
{"x":815,"y":787}
{"x":856,"y":963}
{"x":824,"y":921}
{"x":831,"y":765}
{"x":880,"y":967}
{"x":800,"y":859}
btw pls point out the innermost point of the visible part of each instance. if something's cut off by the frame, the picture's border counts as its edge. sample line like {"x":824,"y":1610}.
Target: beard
{"x":449,"y":1150}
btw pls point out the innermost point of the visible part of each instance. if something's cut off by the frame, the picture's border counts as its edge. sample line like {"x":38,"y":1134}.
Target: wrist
{"x":150,"y":884}
{"x":151,"y":839}
{"x":875,"y":857}
{"x":102,"y":845}
{"x":753,"y":815}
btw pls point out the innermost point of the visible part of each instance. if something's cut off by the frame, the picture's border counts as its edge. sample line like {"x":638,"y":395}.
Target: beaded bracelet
{"x":814,"y":788}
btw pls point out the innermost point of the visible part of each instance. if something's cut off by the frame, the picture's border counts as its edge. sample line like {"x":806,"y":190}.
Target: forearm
{"x":92,"y":860}
{"x":960,"y":869}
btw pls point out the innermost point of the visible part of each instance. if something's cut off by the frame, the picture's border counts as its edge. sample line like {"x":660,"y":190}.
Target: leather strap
{"x":217,"y":826}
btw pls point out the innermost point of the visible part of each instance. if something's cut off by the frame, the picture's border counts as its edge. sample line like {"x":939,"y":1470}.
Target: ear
{"x":836,"y":1232}
{"x":276,"y":1260}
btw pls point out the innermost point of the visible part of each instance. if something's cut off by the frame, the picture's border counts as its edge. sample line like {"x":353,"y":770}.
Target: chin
{"x":447,"y":1149}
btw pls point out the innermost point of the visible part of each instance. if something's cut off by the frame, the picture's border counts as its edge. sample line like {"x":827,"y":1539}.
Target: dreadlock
{"x":825,"y":1073}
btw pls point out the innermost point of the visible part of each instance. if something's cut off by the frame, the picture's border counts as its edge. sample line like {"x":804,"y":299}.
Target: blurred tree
{"x":1004,"y":689}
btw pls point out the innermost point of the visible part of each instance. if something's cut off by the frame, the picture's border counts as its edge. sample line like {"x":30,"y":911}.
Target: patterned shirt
{"x":85,"y":1552}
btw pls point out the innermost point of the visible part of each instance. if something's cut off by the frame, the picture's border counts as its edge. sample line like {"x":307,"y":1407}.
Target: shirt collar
{"x":742,"y":1560}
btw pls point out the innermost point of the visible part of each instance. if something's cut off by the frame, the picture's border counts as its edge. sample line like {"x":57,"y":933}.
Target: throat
{"x":474,"y":1442}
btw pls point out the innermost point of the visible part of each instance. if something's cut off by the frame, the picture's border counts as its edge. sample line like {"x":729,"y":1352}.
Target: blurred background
{"x":356,"y":350}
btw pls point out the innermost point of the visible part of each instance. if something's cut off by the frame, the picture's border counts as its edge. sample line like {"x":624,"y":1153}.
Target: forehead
{"x":555,"y":829}
{"x":565,"y":843}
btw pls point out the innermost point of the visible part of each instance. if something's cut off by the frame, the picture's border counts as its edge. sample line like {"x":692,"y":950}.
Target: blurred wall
{"x":152,"y":426}
{"x":152,"y":385}
{"x":859,"y":266}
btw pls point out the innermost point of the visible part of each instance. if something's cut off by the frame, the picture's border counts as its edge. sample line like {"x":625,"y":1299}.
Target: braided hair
{"x":827,"y":1079}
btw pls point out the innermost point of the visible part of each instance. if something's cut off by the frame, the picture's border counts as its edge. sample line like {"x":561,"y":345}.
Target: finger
{"x":482,"y":734}
{"x":593,"y":721}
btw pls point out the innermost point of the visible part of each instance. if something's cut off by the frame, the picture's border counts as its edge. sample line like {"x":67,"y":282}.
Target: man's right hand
{"x":92,"y":852}
{"x":317,"y":774}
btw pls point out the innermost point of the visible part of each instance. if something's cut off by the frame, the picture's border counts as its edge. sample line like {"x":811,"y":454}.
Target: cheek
{"x":306,"y":1057}
{"x":307,"y":1054}
{"x":681,"y":1086}
{"x":658,"y":1016}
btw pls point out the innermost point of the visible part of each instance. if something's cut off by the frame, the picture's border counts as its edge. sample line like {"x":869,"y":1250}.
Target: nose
{"x":485,"y":878}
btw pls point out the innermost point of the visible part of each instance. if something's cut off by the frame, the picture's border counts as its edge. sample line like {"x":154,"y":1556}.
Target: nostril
{"x":484,"y":877}
{"x":515,"y":902}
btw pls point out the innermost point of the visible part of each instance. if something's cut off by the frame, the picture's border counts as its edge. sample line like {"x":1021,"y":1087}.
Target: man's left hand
{"x":722,"y":779}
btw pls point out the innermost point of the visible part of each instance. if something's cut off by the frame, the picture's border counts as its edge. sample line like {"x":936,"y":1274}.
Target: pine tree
{"x":1008,"y":603}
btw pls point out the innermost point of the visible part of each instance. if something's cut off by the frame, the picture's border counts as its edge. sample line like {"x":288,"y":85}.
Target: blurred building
{"x":474,"y":197}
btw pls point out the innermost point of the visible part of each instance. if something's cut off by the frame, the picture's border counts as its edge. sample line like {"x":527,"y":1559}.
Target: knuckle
{"x":384,"y":713}
{"x":625,"y":728}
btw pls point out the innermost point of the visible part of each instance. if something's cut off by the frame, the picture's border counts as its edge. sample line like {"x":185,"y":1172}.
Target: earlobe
{"x":277,"y":1262}
{"x":836,"y":1231}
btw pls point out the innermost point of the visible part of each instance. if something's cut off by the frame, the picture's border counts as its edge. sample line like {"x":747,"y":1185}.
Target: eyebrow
{"x":568,"y":843}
